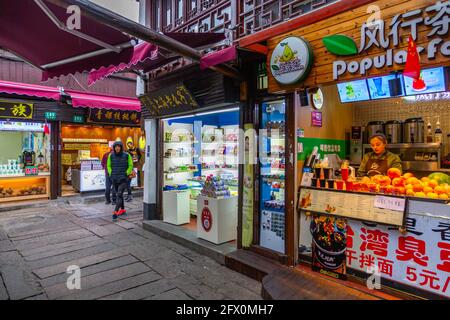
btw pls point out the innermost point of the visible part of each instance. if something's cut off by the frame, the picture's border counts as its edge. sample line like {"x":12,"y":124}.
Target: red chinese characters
{"x":444,"y":256}
{"x":376,"y":241}
{"x":410,"y":248}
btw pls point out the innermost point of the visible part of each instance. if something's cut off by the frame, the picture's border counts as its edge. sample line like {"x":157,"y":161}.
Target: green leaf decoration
{"x":340,"y":45}
{"x":275,"y":67}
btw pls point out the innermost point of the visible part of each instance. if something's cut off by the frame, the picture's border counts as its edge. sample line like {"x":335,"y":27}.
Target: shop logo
{"x":291,"y":60}
{"x":206,"y":219}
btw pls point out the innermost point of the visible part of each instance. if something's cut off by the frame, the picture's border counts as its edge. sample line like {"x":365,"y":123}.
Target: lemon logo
{"x":291,"y":60}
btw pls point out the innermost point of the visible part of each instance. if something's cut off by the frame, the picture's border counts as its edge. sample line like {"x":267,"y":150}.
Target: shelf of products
{"x":272,"y":170}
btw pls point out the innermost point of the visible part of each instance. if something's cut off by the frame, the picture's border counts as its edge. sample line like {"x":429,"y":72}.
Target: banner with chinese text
{"x":114,"y":117}
{"x":16,"y":110}
{"x":419,"y":259}
{"x":169,"y":100}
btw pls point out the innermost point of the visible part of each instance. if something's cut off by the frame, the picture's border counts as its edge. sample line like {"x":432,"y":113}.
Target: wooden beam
{"x":301,"y":21}
{"x":258,"y":48}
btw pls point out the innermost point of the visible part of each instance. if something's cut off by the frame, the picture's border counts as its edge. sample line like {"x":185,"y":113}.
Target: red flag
{"x":412,"y":68}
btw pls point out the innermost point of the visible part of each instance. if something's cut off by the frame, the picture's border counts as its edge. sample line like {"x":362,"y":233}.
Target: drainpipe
{"x":139,"y":31}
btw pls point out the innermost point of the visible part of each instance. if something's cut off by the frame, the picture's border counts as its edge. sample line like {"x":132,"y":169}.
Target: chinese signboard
{"x":371,"y":41}
{"x":169,"y":100}
{"x":420,"y":258}
{"x":114,"y":116}
{"x":353,"y":205}
{"x":385,"y":35}
{"x":78,"y":118}
{"x":16,"y":110}
{"x":316,"y":118}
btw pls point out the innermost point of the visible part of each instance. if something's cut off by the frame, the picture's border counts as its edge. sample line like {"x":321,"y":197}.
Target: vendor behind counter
{"x":379,"y":160}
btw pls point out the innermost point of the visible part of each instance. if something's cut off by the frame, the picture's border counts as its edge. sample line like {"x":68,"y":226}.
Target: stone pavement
{"x":117,"y":260}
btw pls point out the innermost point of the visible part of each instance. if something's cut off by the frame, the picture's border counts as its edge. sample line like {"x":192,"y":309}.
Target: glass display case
{"x":272,"y":175}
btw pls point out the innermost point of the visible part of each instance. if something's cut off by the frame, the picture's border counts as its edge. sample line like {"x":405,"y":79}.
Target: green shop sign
{"x":291,"y":60}
{"x":50,"y":115}
{"x":78,"y":119}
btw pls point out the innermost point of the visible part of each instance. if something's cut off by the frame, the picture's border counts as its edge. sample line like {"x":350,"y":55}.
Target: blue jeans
{"x":109,"y":186}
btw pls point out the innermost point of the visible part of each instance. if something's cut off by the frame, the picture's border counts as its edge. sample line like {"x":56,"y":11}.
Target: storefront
{"x":85,"y":142}
{"x":339,"y":89}
{"x":46,"y":130}
{"x":197,"y":157}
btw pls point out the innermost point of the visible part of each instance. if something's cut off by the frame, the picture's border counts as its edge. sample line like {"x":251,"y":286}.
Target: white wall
{"x":126,"y":8}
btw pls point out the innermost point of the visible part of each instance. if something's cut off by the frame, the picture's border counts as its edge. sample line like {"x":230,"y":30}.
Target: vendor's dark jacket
{"x":119,"y":165}
{"x":393,"y":161}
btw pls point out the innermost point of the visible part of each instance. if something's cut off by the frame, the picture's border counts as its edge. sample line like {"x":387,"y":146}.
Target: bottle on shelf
{"x":438,"y":132}
{"x":429,"y":132}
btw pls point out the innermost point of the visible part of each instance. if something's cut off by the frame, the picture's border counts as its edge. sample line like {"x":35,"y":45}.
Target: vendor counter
{"x":21,"y":187}
{"x":405,"y":240}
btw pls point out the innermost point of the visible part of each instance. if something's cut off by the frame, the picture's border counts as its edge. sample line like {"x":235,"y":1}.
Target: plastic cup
{"x":317,"y":172}
{"x":344,"y":174}
{"x":349,"y":185}
{"x":340,"y":184}
{"x":323,"y":183}
{"x":330,"y":183}
{"x":327,"y":173}
{"x":314,"y":182}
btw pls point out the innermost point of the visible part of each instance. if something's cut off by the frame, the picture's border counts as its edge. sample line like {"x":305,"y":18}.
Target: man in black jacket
{"x":120,"y":169}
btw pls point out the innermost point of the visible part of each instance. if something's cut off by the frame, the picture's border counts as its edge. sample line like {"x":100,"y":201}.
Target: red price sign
{"x":206,"y":219}
{"x":31,"y":171}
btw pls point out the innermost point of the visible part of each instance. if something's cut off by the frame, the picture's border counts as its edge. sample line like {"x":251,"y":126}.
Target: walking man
{"x":120,"y":169}
{"x":108,"y":181}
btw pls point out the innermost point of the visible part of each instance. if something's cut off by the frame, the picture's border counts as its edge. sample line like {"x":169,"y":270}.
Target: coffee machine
{"x":356,"y":145}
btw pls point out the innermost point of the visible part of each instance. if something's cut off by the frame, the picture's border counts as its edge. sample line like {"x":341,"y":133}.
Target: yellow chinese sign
{"x":169,"y":100}
{"x":114,"y":116}
{"x":16,"y":110}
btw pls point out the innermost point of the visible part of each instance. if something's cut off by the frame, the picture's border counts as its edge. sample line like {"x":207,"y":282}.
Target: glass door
{"x":272,"y":175}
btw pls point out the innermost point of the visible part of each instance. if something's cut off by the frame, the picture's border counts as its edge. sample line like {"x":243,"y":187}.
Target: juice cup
{"x":314,"y":182}
{"x":330,"y":183}
{"x":344,"y":174}
{"x":340,"y":184}
{"x":323,"y":183}
{"x":349,"y":185}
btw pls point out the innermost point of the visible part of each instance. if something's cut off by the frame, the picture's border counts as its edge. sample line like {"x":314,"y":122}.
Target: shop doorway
{"x":200,"y":181}
{"x":83,"y":147}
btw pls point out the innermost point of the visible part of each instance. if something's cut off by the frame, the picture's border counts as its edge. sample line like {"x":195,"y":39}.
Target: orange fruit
{"x":409,"y":187}
{"x":443,"y":196}
{"x":412,"y":180}
{"x":417,"y":187}
{"x":433,"y":183}
{"x":440,"y":190}
{"x":427,"y":190}
{"x":419,"y":194}
{"x":408,"y":175}
{"x":432,"y":195}
{"x":425,"y":179}
{"x":409,"y":192}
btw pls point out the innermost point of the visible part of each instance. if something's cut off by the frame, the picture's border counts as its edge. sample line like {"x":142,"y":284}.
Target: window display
{"x":24,"y":161}
{"x":272,"y":170}
{"x":200,"y":157}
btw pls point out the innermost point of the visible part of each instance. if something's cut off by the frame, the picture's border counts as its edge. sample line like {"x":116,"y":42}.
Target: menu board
{"x":386,"y":209}
{"x":353,"y":91}
{"x":434,"y":82}
{"x":379,"y":87}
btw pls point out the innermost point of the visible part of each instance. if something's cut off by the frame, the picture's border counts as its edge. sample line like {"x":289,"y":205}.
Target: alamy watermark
{"x":74,"y":280}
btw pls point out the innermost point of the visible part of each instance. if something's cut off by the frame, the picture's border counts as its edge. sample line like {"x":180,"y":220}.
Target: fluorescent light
{"x":217,"y":111}
{"x":181,"y":117}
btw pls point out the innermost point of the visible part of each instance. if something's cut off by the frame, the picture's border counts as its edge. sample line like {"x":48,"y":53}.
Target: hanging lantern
{"x":46,"y":129}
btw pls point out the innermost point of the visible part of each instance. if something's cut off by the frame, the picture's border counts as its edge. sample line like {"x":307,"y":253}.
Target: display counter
{"x":91,"y":177}
{"x":176,"y":207}
{"x":413,"y":257}
{"x":217,"y":218}
{"x":21,"y":187}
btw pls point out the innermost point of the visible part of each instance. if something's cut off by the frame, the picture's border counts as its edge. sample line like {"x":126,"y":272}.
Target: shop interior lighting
{"x":202,"y":114}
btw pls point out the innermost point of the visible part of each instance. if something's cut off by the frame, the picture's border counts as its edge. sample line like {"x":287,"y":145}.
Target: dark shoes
{"x":129,"y":199}
{"x":108,"y":202}
{"x":114,"y":217}
{"x":113,"y":202}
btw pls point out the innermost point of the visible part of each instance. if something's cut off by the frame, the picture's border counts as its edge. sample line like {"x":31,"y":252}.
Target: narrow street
{"x":117,"y":260}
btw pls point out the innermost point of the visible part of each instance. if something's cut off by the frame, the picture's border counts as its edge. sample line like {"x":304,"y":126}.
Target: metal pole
{"x":139,"y":31}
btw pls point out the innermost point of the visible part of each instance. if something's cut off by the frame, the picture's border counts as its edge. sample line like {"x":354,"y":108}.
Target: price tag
{"x":395,"y":204}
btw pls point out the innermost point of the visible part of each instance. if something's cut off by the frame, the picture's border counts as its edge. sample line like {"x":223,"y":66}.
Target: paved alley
{"x":117,"y":260}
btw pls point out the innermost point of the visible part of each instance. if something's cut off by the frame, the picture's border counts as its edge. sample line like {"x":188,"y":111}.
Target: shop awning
{"x":30,"y":90}
{"x":36,"y":30}
{"x":147,"y":56}
{"x":90,"y":100}
{"x":218,"y":57}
